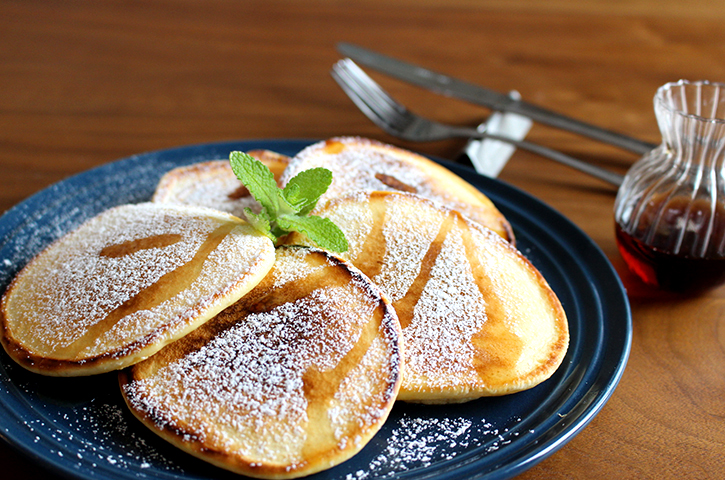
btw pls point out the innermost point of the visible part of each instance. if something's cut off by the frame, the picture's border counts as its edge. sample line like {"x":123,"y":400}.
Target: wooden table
{"x":85,"y":83}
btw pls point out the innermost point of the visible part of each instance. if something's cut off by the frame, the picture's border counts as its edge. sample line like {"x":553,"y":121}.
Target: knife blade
{"x":452,"y":87}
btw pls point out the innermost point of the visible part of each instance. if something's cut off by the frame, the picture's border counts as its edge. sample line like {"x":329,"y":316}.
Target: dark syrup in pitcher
{"x":654,"y":261}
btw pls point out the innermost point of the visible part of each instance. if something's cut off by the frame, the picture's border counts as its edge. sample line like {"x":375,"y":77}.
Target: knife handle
{"x":569,"y":124}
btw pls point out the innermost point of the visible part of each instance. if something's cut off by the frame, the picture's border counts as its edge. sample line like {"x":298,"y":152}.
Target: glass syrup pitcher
{"x":670,"y":210}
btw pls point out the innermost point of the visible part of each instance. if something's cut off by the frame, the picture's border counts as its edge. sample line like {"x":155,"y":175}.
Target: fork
{"x":397,"y":120}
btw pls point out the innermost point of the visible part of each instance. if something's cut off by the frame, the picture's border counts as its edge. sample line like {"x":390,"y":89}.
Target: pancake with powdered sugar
{"x":213,"y":184}
{"x":294,"y":378}
{"x":477,"y":318}
{"x":125,"y":283}
{"x":363,"y":164}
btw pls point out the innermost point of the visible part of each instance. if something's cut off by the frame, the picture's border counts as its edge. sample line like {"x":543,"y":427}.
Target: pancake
{"x":213,"y":184}
{"x":125,"y":283}
{"x":363,"y":164}
{"x":294,"y":378}
{"x":478,"y":319}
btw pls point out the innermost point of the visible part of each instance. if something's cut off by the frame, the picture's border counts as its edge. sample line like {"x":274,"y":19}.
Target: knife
{"x":493,"y":100}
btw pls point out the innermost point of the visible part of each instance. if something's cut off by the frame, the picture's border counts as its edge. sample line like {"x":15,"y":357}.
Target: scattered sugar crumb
{"x":417,"y":443}
{"x":97,"y":434}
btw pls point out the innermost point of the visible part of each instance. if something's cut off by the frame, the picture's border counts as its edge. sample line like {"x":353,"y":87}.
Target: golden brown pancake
{"x":294,"y":378}
{"x":363,"y":164}
{"x":126,"y":283}
{"x":478,"y":319}
{"x":213,"y":184}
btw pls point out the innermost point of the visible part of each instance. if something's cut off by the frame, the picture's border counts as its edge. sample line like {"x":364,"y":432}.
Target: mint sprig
{"x":287,"y":210}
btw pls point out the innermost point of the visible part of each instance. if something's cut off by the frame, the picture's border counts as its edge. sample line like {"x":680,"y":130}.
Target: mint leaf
{"x":322,"y":231}
{"x":287,"y":210}
{"x":258,"y":179}
{"x":285,"y":207}
{"x":305,"y":189}
{"x":260,"y":222}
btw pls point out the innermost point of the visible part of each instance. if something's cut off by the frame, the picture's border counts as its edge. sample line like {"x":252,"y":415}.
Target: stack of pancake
{"x":281,"y":361}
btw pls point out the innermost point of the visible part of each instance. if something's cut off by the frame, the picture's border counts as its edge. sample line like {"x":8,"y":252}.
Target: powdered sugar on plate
{"x":418,"y":442}
{"x":109,"y":427}
{"x":83,"y":423}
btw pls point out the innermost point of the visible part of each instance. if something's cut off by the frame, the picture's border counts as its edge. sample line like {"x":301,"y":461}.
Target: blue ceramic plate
{"x":79,"y":427}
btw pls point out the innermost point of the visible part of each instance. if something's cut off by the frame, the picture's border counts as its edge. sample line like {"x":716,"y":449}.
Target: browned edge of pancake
{"x":129,"y":354}
{"x":260,"y":299}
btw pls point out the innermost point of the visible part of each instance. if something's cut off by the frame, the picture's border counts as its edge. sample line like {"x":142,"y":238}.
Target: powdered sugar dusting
{"x":94,"y":432}
{"x":356,"y":222}
{"x":407,"y":240}
{"x":63,"y":206}
{"x":108,"y":424}
{"x":80,"y":286}
{"x":449,"y":312}
{"x":211,"y":184}
{"x":355,"y":168}
{"x":363,"y":383}
{"x":243,"y":391}
{"x":84,"y":286}
{"x":450,"y":308}
{"x":294,"y":266}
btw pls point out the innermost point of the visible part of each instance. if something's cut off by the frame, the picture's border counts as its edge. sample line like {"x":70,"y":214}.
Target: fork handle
{"x":593,"y":170}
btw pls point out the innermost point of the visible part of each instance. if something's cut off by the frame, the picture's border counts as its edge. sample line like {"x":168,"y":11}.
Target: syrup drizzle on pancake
{"x":241,"y":192}
{"x":406,"y":305}
{"x":168,"y":286}
{"x":130,"y":247}
{"x":333,"y":146}
{"x":369,"y":261}
{"x":126,"y":282}
{"x":455,"y":287}
{"x":320,"y":386}
{"x":394,"y":183}
{"x":496,"y":328}
{"x":295,"y":373}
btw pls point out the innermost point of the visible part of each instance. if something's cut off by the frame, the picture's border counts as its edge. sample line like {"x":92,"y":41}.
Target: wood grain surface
{"x":86,"y":83}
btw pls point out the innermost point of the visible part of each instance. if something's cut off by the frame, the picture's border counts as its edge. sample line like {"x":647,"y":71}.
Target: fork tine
{"x":356,"y":86}
{"x":389,"y":114}
{"x":376,"y":94}
{"x":379,"y":106}
{"x":370,"y":103}
{"x":351,"y":89}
